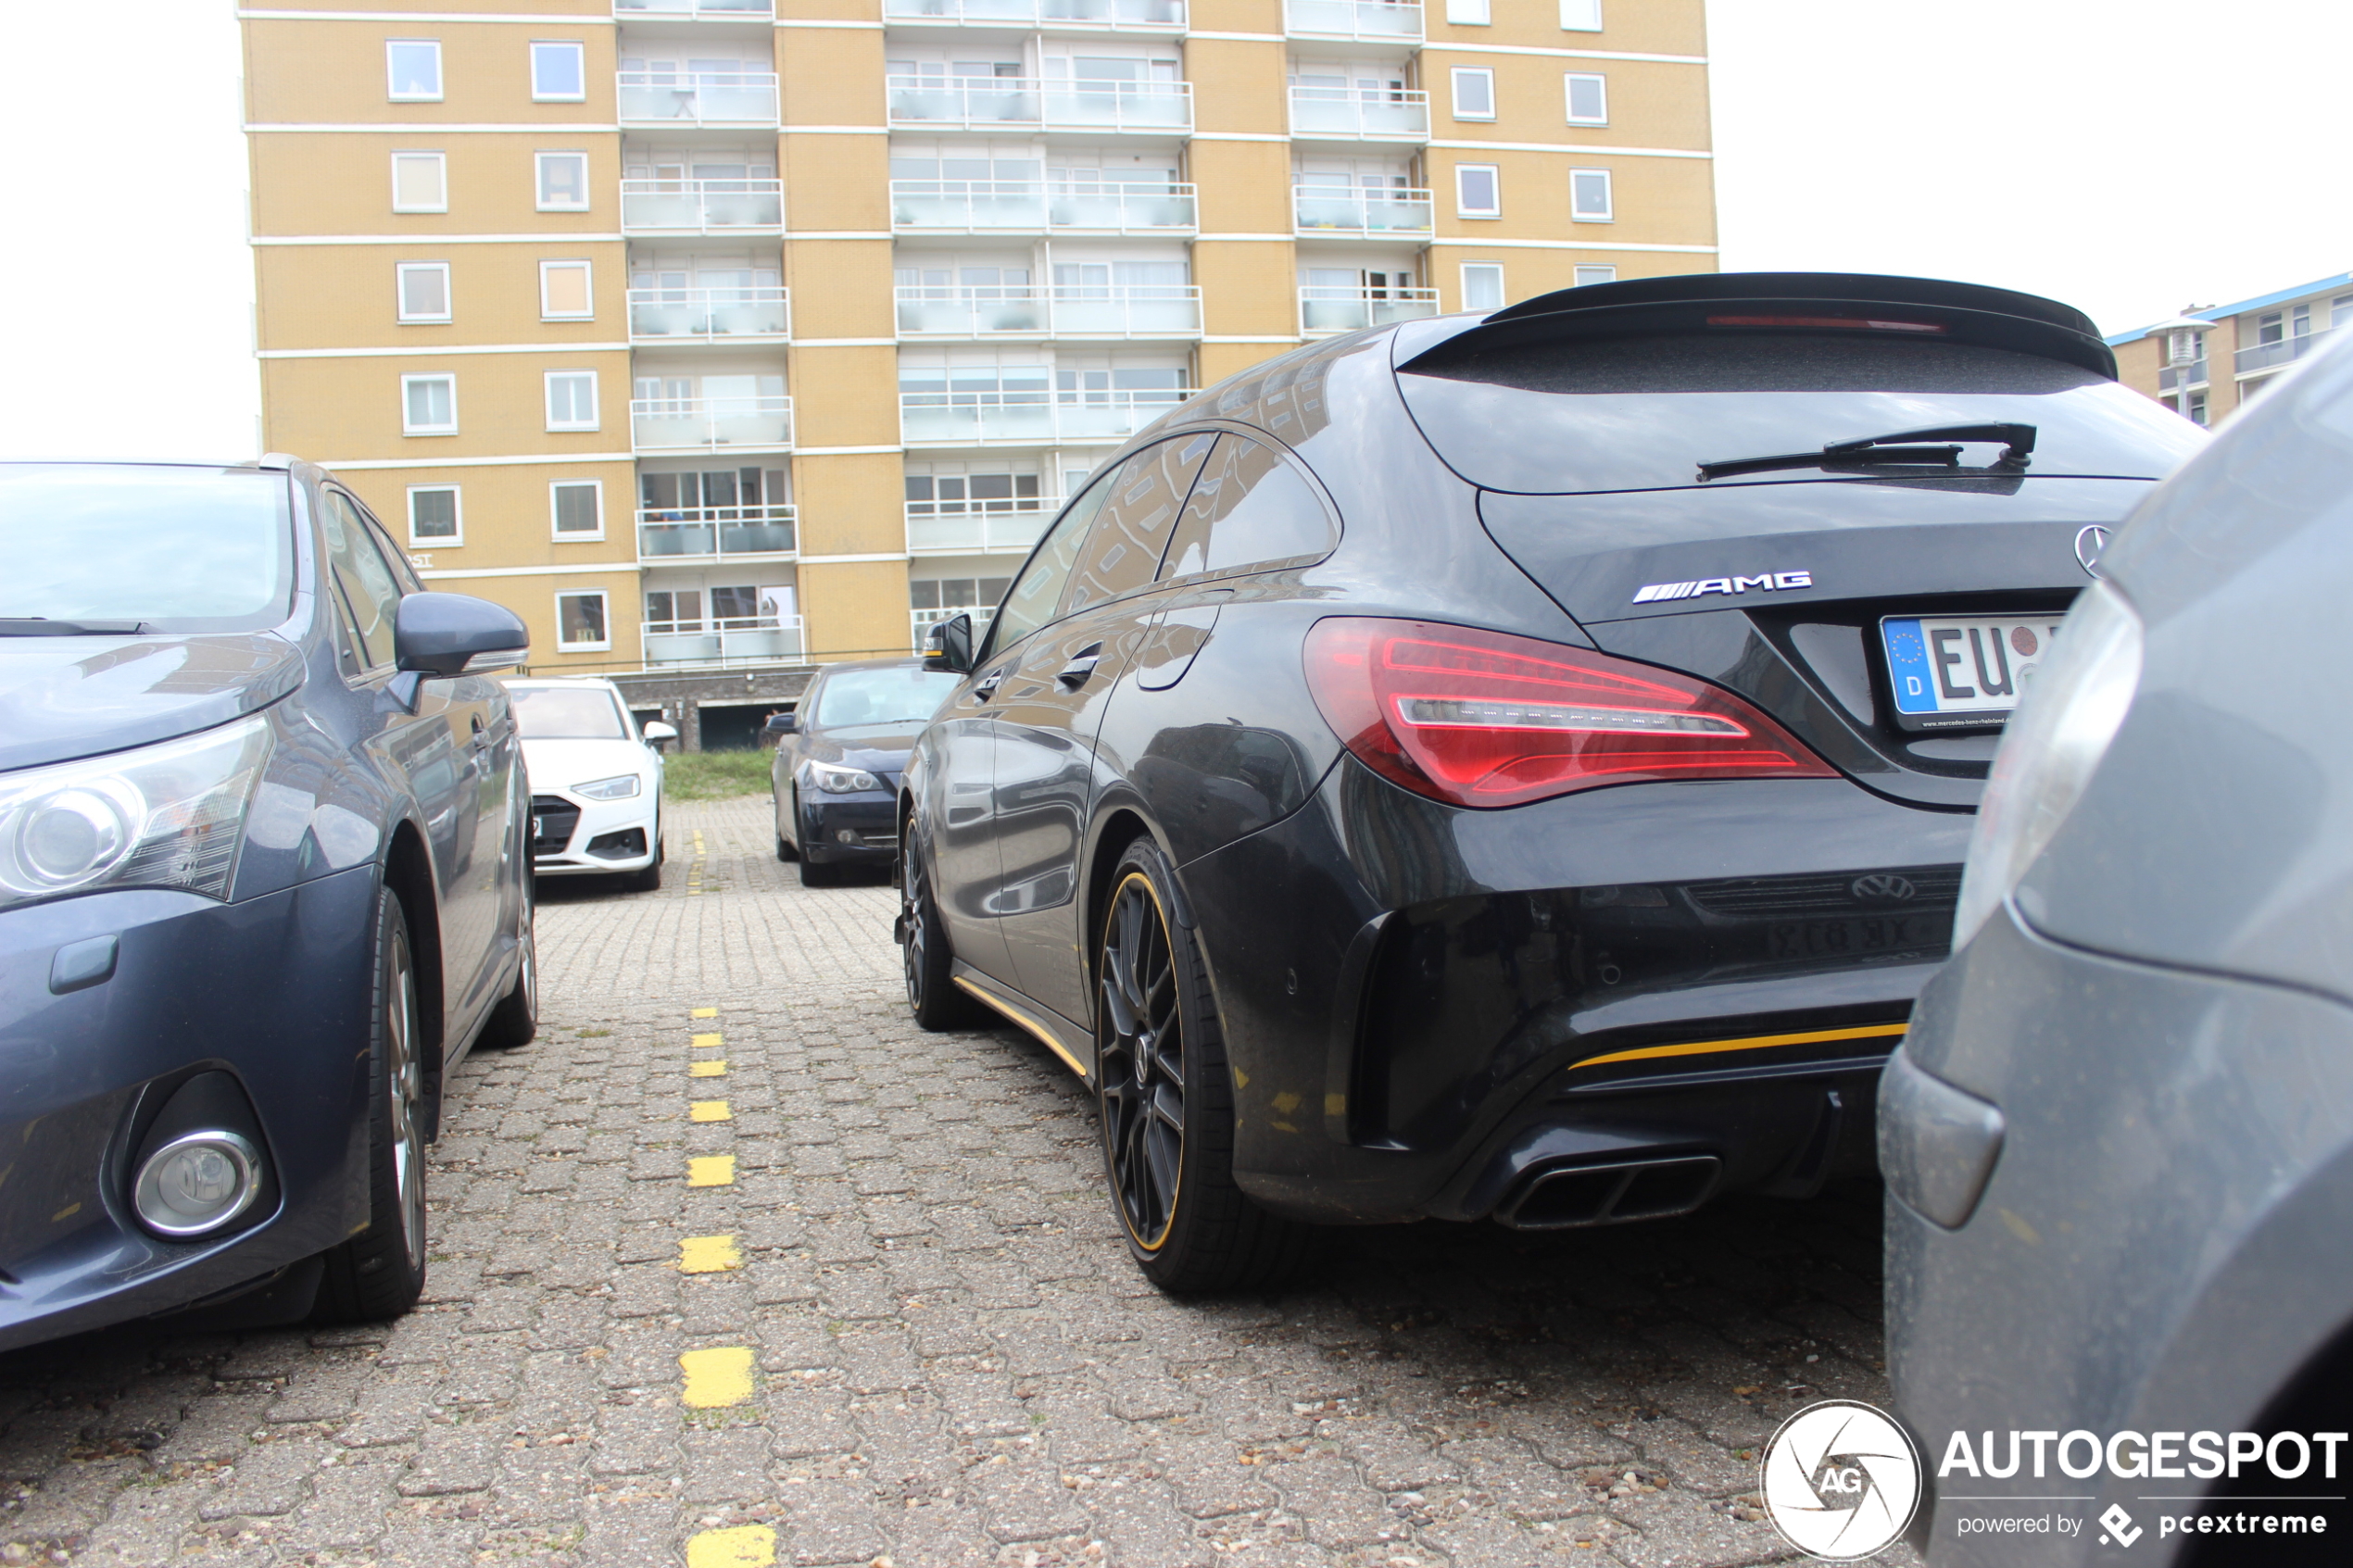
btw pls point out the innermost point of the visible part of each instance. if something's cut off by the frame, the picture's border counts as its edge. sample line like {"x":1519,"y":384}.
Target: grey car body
{"x":2128,"y":1100}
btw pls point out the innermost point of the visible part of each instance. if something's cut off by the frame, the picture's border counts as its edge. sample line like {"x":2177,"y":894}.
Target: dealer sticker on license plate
{"x":1963,"y":669}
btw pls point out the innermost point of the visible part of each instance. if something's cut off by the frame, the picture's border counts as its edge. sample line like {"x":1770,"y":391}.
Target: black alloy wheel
{"x":924,"y":955}
{"x":381,"y":1272}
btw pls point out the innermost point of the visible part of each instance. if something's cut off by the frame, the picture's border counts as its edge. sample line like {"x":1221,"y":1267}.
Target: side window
{"x":1030,"y":602}
{"x":1125,"y":545}
{"x":1250,"y":509}
{"x":369,"y":589}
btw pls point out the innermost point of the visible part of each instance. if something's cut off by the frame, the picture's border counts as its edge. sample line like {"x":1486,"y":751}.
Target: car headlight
{"x":620,"y":787}
{"x":2064,"y":723}
{"x":163,"y":816}
{"x":842,"y":780}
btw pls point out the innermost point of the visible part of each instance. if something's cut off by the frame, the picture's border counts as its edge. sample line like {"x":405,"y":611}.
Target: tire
{"x":785,"y":851}
{"x":1167,"y":1116}
{"x":924,"y":955}
{"x":816,"y":874}
{"x":381,"y":1272}
{"x":514,"y":1022}
{"x":647,"y":878}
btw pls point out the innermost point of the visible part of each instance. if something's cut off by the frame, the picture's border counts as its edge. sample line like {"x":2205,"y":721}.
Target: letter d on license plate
{"x":1950,"y":672}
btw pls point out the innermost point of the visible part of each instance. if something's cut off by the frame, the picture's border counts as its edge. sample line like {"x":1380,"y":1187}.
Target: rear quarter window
{"x":1249,"y":508}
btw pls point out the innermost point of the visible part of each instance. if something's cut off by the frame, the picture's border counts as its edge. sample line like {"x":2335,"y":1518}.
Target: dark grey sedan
{"x":835,"y":779}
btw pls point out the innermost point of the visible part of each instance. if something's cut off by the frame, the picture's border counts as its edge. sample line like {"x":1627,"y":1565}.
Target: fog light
{"x":845,"y":835}
{"x":196,"y":1182}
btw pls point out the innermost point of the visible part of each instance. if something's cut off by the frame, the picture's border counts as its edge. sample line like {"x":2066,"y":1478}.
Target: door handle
{"x":1081,"y":670}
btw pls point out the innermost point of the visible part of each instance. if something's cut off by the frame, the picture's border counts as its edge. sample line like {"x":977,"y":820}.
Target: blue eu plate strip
{"x":1907,"y":666}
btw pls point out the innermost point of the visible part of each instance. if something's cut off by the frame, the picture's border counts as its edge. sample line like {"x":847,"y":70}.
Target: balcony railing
{"x":716,"y":10}
{"x":2264,"y":355}
{"x":978,"y":527}
{"x":923,"y":621}
{"x":1006,"y":206}
{"x":1350,"y":114}
{"x":1027,"y":418}
{"x":1159,"y":16}
{"x":1362,"y":214}
{"x":739,"y":315}
{"x":682,"y":535}
{"x":718,"y":97}
{"x":1137,"y":311}
{"x":702,"y":207}
{"x":2170,"y":376}
{"x":1323,"y":312}
{"x":708,"y":425}
{"x":1001,"y":103}
{"x":751,"y":640}
{"x":1377,"y":22}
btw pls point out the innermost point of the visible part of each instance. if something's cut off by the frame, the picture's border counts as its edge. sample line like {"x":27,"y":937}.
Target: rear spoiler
{"x":1784,"y":304}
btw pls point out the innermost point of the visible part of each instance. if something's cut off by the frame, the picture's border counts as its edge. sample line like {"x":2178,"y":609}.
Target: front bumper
{"x":861,"y":829}
{"x":272,"y":991}
{"x":572,"y":835}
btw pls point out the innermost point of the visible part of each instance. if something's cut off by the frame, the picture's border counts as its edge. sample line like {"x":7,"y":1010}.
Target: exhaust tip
{"x":1567,"y":1197}
{"x":196,"y":1182}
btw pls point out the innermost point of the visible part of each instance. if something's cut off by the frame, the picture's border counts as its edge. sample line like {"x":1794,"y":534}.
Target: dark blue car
{"x":263,"y":882}
{"x":835,"y":778}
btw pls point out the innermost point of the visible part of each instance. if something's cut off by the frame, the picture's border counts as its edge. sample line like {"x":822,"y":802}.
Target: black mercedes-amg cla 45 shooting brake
{"x":1518,"y":765}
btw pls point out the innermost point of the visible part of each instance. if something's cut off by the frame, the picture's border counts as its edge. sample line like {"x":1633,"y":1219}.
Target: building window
{"x":1589,"y":195}
{"x":558,"y":73}
{"x":1478,"y":191}
{"x":1588,"y":276}
{"x":1466,"y":13}
{"x":412,"y":71}
{"x":571,"y":400}
{"x":2198,"y":407}
{"x":434,"y":517}
{"x":2341,"y":311}
{"x":564,"y":292}
{"x":563,"y":182}
{"x":1482,"y":286}
{"x":429,"y":405}
{"x":1588,"y":98}
{"x":1581,"y":16}
{"x":580,"y":622}
{"x":420,"y":182}
{"x":423,"y":290}
{"x":1473,"y":94}
{"x":578,"y":508}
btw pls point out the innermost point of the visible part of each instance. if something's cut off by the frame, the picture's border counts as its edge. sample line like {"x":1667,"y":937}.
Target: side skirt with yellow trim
{"x":1021,"y":1014}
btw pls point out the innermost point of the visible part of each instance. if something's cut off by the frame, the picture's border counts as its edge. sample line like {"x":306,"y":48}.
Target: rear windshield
{"x":567,"y":713}
{"x":1643,"y":413}
{"x":857,"y":698}
{"x":180,"y":550}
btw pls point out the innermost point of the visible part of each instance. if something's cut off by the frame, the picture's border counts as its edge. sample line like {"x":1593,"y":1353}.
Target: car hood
{"x":872,"y":748}
{"x":560,"y":764}
{"x":66,"y":698}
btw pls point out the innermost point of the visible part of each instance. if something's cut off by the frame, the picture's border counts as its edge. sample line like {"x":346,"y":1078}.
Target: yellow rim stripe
{"x":1045,"y":1036}
{"x":1753,"y":1043}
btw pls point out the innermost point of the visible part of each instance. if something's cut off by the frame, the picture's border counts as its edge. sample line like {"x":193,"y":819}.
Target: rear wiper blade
{"x":1873,"y":450}
{"x":42,"y":626}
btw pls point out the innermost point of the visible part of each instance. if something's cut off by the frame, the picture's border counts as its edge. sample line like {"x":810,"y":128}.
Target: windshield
{"x":908,"y":696}
{"x":180,"y":550}
{"x":567,"y":713}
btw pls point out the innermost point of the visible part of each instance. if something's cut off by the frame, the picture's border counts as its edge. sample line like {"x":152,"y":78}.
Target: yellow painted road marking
{"x":1753,"y":1043}
{"x":709,"y":1067}
{"x":716,"y":1378}
{"x":746,"y":1546}
{"x":704,"y":1041}
{"x":704,"y":1013}
{"x":709,"y":1111}
{"x":711,"y":1171}
{"x":709,"y":1255}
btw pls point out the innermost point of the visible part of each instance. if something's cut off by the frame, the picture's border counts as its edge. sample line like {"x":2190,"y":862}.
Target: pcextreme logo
{"x":1841,"y":1480}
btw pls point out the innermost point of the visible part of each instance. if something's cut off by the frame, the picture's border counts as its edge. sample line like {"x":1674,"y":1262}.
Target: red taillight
{"x":1482,"y":719}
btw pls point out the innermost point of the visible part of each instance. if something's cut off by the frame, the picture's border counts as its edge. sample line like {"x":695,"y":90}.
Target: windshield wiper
{"x":42,"y":626}
{"x":1875,"y":450}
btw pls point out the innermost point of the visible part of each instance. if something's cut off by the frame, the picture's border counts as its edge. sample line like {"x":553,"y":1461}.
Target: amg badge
{"x":1653,"y":592}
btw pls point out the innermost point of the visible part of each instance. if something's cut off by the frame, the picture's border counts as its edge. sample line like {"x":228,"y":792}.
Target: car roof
{"x":872,"y":664}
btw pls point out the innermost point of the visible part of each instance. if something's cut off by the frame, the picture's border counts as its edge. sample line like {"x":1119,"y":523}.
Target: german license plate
{"x":1949,"y":672}
{"x":1859,"y":937}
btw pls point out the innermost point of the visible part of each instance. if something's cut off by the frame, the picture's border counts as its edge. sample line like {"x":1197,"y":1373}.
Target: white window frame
{"x":1454,"y":83}
{"x":1607,"y":267}
{"x":548,"y":312}
{"x":1609,"y":197}
{"x":562,"y":646}
{"x":547,"y":380}
{"x":392,"y":92}
{"x":558,"y":534}
{"x":1581,"y":16}
{"x":539,"y":183}
{"x":400,"y":290}
{"x":1495,"y":267}
{"x":1468,"y":13}
{"x":458,"y":514}
{"x":1495,"y":183}
{"x":1569,"y":95}
{"x":441,"y":174}
{"x":406,"y":381}
{"x":579,"y":51}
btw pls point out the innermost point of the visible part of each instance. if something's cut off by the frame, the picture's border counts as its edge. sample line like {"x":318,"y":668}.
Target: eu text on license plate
{"x":1953,"y":672}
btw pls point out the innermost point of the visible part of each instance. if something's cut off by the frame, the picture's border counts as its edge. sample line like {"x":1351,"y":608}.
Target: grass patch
{"x":716,"y":775}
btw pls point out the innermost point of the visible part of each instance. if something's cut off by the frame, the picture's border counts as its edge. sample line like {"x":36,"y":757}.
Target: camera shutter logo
{"x":1841,"y":1480}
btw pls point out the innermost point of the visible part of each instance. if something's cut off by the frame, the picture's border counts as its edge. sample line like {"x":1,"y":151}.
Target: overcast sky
{"x":2128,"y":156}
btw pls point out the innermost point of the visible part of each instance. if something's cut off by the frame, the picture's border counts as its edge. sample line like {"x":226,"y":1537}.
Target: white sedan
{"x":596,"y":782}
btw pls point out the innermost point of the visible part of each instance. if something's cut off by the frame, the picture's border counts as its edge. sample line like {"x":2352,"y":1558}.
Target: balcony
{"x":1144,"y":311}
{"x":984,"y":207}
{"x":1348,"y":114}
{"x":711,"y":424}
{"x":695,"y":10}
{"x":740,"y":314}
{"x":974,"y":528}
{"x":923,"y":621}
{"x":2270,"y":356}
{"x":668,"y":99}
{"x":1027,"y":418}
{"x":1329,"y":211}
{"x":2172,"y":376}
{"x":1003,"y":102}
{"x":753,"y":640}
{"x":1362,"y":22}
{"x":706,"y":536}
{"x":1155,"y":16}
{"x":1325,"y":312}
{"x":702,"y":207}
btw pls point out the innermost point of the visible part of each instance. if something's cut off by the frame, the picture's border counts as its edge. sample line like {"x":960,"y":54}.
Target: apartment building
{"x":2205,"y":374}
{"x":721,"y":337}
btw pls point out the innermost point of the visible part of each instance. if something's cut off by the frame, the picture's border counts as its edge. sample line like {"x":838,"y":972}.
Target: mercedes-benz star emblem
{"x":2090,"y":541}
{"x":1881,"y":887}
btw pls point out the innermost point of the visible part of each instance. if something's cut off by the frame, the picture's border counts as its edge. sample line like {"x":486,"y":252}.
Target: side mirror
{"x":435,"y":636}
{"x":948,"y":645}
{"x":657,"y":732}
{"x":782,"y":724}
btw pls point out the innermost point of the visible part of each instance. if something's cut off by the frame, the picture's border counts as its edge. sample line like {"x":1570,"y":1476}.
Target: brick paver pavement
{"x":834,"y":1290}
